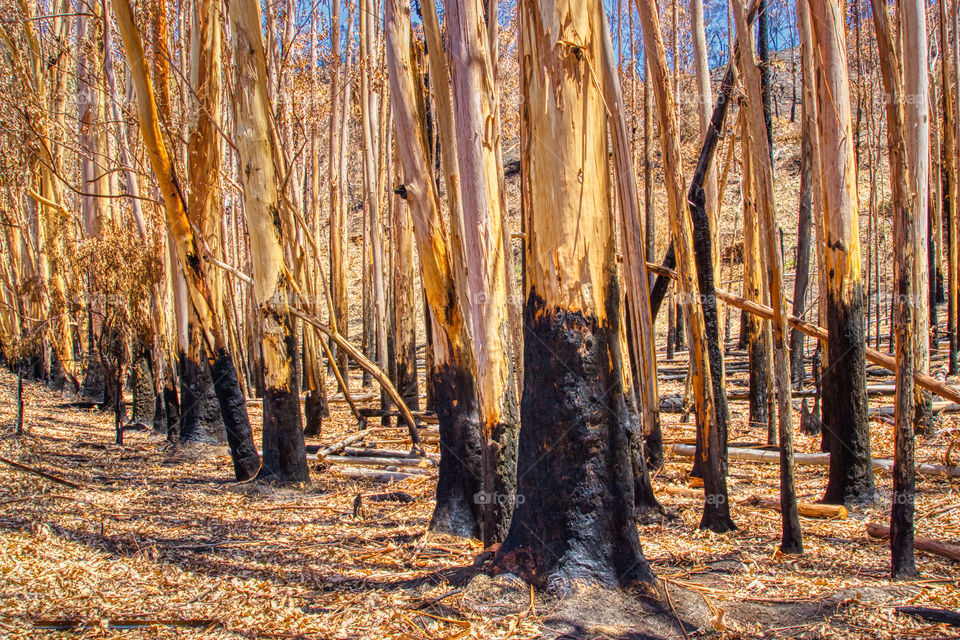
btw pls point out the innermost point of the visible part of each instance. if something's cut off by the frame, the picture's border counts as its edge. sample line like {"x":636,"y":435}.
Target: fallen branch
{"x":820,"y":459}
{"x":384,"y":462}
{"x":937,"y":616}
{"x":924,"y":380}
{"x":122,"y":623}
{"x":374,"y":370}
{"x":375,"y":474}
{"x":37,"y":472}
{"x":808,"y":509}
{"x":936,"y":547}
{"x":342,"y":444}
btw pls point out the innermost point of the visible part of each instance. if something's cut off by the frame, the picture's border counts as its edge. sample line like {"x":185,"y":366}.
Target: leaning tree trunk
{"x":284,"y":455}
{"x":716,"y":508}
{"x":908,"y":168}
{"x":246,"y":461}
{"x":456,"y":511}
{"x":475,"y":103}
{"x":574,"y":525}
{"x":844,"y":381}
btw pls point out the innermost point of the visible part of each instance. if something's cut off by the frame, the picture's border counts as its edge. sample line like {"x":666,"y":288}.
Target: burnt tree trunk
{"x":802,"y":277}
{"x":574,"y":524}
{"x":844,"y":381}
{"x":200,"y":419}
{"x":450,"y":374}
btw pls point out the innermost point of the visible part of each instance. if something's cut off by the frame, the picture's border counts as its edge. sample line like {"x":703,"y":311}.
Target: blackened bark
{"x":935,"y":280}
{"x":144,"y":396}
{"x":315,"y":409}
{"x":574,"y":520}
{"x":680,"y":335}
{"x":233,"y":409}
{"x":708,"y":301}
{"x":644,"y":500}
{"x":459,"y":508}
{"x":171,"y":410}
{"x":802,"y":277}
{"x":406,"y":376}
{"x":651,"y":446}
{"x":200,"y":419}
{"x":659,"y":290}
{"x":757,"y":356}
{"x":284,"y":452}
{"x":671,"y":328}
{"x":845,"y":403}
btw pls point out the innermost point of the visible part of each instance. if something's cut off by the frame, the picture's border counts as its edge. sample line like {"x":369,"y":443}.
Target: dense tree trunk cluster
{"x":481,"y":212}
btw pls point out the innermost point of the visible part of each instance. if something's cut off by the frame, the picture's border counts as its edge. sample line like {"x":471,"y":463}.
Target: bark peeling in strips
{"x":284,"y":455}
{"x":246,"y":461}
{"x":454,"y":396}
{"x":573,"y":524}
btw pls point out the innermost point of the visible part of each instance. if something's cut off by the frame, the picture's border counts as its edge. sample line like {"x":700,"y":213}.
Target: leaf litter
{"x":158,"y":542}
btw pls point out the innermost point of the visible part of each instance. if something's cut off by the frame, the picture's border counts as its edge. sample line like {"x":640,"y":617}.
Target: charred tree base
{"x":315,"y":409}
{"x":233,"y":409}
{"x":844,"y":412}
{"x":650,"y":610}
{"x":200,"y":419}
{"x":574,"y":519}
{"x":458,"y":510}
{"x":284,"y":452}
{"x":144,"y":405}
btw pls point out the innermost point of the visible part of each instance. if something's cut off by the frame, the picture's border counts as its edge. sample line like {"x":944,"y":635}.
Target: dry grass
{"x":161,"y":534}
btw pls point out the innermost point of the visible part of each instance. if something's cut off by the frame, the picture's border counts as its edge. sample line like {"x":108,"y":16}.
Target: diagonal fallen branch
{"x":924,"y":380}
{"x":936,"y":547}
{"x":37,"y":472}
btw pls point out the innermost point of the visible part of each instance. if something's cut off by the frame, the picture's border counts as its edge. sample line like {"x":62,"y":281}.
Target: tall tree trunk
{"x":404,"y":306}
{"x":575,"y":523}
{"x":200,"y":415}
{"x":246,"y":461}
{"x":908,"y":148}
{"x":791,"y":541}
{"x":752,"y":290}
{"x":948,"y":169}
{"x":475,"y":103}
{"x":844,"y":399}
{"x":338,"y":255}
{"x":284,"y":455}
{"x":457,"y":511}
{"x":917,"y":137}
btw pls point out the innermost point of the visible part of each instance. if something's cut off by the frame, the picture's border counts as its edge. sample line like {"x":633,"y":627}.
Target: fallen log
{"x":820,"y":459}
{"x":375,"y":474}
{"x":936,"y":547}
{"x":936,"y":616}
{"x":808,"y":509}
{"x":413,"y":465}
{"x":387,"y":453}
{"x":342,"y":444}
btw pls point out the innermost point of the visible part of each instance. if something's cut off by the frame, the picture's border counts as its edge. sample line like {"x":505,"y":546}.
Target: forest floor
{"x":157,"y":541}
